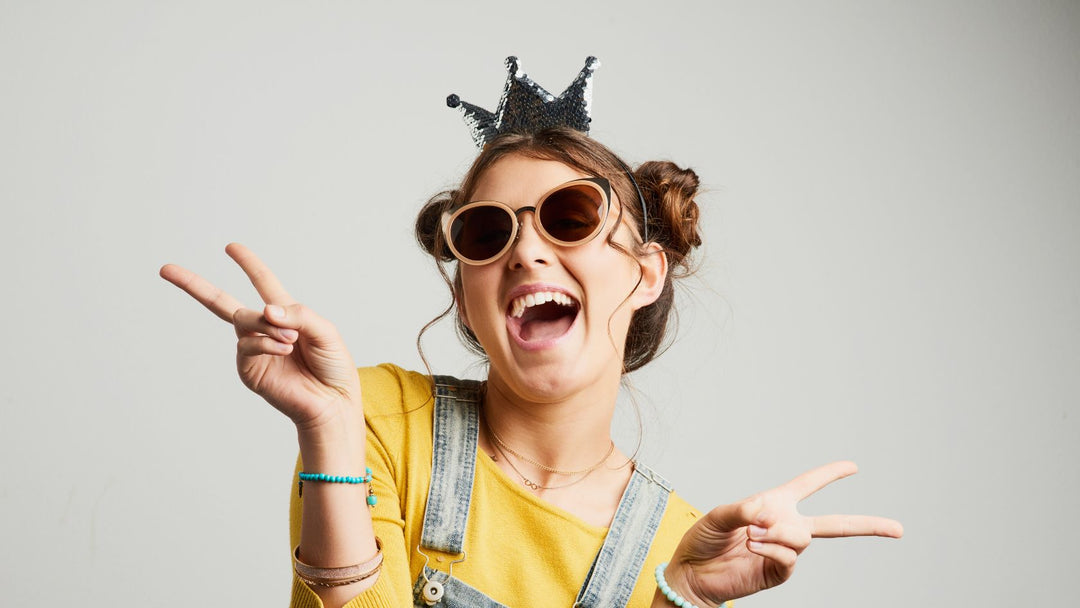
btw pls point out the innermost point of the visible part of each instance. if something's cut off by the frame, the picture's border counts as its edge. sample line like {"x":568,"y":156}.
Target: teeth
{"x":518,"y":306}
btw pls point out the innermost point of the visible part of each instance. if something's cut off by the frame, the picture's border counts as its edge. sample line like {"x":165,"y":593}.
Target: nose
{"x":529,"y":248}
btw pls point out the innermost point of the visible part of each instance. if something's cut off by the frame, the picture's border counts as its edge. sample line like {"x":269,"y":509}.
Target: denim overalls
{"x":613,"y":573}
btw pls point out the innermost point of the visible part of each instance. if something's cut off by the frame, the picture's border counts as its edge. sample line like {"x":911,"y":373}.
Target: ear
{"x":654,"y":269}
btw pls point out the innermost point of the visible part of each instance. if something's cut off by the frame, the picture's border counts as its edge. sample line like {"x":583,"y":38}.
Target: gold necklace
{"x":500,"y":445}
{"x":611,"y":448}
{"x":532,"y":484}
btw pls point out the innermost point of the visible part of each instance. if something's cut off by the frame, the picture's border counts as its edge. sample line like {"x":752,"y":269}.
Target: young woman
{"x":510,"y":491}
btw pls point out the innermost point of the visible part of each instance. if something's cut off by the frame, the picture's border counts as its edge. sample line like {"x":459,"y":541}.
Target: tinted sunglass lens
{"x":573,"y":213}
{"x":479,"y":233}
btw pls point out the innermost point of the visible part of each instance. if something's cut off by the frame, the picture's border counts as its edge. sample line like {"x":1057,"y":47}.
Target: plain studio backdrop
{"x":891,"y":271}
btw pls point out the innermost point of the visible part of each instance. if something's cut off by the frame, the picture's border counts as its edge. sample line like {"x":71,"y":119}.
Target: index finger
{"x":220,"y":303}
{"x":265,"y":282}
{"x":836,"y":526}
{"x":813,"y":480}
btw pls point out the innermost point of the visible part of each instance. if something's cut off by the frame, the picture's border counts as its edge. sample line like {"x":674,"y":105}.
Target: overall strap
{"x":615,"y":570}
{"x":453,"y":463}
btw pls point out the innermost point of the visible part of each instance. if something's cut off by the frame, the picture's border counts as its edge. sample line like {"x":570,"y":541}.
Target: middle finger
{"x":268,"y":286}
{"x":813,"y":480}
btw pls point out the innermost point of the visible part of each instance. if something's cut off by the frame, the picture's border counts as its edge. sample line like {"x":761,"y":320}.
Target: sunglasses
{"x":569,"y":214}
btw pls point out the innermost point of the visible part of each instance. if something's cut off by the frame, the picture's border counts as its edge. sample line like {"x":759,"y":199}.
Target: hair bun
{"x":669,"y":192}
{"x":428,"y":226}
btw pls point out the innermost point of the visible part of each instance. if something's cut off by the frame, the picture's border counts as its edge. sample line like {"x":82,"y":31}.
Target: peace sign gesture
{"x":742,"y":548}
{"x":293,"y":358}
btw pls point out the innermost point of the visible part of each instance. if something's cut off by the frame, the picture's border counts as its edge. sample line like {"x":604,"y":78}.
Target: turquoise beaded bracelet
{"x":668,"y":592}
{"x":323,"y":477}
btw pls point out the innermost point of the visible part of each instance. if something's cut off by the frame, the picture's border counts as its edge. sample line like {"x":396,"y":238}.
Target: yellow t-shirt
{"x":521,"y":551}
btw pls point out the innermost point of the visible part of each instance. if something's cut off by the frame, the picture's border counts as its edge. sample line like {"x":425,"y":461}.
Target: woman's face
{"x":547,"y":351}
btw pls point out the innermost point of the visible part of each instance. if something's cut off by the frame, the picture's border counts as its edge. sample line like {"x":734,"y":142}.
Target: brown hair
{"x":668,"y":192}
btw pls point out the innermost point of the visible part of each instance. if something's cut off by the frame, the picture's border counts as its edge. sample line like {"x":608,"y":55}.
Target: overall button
{"x":432,"y":593}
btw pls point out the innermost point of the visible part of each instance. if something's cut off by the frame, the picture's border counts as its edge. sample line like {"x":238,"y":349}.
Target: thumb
{"x":302,"y":319}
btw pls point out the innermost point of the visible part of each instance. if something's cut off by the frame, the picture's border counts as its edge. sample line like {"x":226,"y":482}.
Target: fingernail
{"x":276,"y":312}
{"x":756,"y":531}
{"x":289,"y":334}
{"x":755,"y":545}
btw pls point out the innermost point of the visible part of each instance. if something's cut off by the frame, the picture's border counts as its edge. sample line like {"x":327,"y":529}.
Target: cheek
{"x":619,"y":269}
{"x":463,"y":314}
{"x":611,"y":281}
{"x":476,"y":297}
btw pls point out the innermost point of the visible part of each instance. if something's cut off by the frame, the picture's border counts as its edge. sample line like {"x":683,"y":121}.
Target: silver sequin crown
{"x":526,"y":107}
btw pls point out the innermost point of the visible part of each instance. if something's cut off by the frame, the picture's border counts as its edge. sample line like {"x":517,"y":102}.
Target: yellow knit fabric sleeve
{"x":520,"y":550}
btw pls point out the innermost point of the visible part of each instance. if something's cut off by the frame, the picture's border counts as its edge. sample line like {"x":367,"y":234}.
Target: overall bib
{"x":615,"y":569}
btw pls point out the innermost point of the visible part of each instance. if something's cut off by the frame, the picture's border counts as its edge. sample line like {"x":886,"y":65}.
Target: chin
{"x":553,"y":374}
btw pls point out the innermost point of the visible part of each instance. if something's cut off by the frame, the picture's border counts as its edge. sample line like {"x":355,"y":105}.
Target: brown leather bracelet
{"x":335,"y":577}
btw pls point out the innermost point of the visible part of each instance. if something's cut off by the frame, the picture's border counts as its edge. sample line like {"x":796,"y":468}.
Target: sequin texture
{"x":526,"y":107}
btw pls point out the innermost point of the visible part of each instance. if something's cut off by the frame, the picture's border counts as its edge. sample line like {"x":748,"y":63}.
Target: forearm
{"x":336,"y":528}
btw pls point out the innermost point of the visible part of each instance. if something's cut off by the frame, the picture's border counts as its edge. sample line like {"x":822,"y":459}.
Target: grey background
{"x":891,"y":275}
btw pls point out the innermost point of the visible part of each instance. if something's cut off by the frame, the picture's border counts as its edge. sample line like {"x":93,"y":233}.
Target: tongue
{"x":544,"y":330}
{"x":545,"y":322}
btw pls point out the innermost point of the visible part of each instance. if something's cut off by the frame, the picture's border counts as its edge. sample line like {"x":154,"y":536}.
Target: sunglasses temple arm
{"x":644,"y":211}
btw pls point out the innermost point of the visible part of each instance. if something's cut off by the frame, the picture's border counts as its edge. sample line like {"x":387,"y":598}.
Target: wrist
{"x":675,"y":589}
{"x":336,"y":445}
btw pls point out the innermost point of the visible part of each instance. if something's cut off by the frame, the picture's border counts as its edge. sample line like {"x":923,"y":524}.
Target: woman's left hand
{"x":742,"y":548}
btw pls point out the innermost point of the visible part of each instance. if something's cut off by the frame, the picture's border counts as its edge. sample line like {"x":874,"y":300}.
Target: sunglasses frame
{"x":600,"y":184}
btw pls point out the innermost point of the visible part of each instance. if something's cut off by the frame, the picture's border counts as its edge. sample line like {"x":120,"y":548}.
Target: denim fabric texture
{"x":615,"y":570}
{"x":453,"y":463}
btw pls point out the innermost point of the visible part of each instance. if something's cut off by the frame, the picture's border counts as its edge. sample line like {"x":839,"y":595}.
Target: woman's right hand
{"x":742,"y":548}
{"x":286,"y":353}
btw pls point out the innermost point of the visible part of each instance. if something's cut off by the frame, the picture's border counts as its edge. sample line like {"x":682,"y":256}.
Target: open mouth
{"x":538,"y":318}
